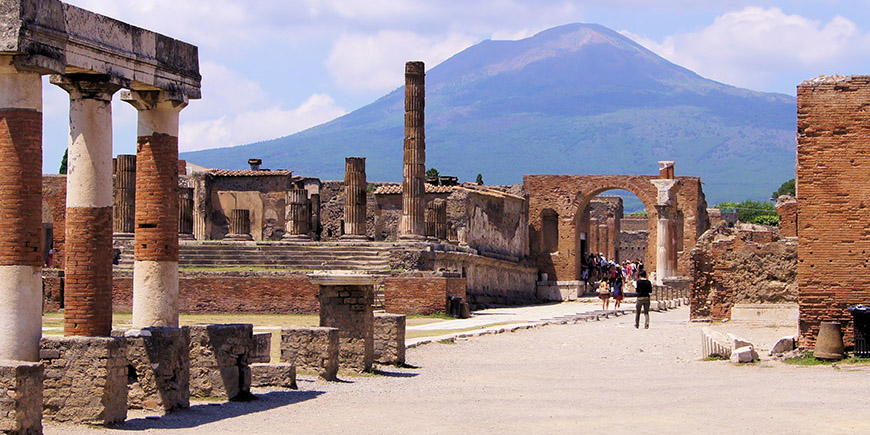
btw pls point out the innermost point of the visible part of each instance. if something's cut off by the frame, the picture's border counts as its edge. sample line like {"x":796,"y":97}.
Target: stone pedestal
{"x":298,"y":216}
{"x":280,"y":375}
{"x":389,"y":341}
{"x":412,"y":224}
{"x":240,"y":225}
{"x":20,"y":397}
{"x":219,"y":361}
{"x":311,"y":349}
{"x":261,"y":348}
{"x":124,"y":210}
{"x":355,"y":199}
{"x":158,"y":373}
{"x":185,"y":213}
{"x":85,"y":379}
{"x":346,"y":303}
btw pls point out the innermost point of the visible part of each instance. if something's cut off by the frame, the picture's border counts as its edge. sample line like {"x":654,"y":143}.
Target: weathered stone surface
{"x":349,"y":308}
{"x":389,"y":339}
{"x":736,"y":342}
{"x":20,"y":397}
{"x":261,"y":352}
{"x":281,"y":375}
{"x":219,"y":360}
{"x":745,"y":354}
{"x":158,"y":372}
{"x":85,"y":379}
{"x":784,"y":344}
{"x":312,"y":349}
{"x":714,"y":343}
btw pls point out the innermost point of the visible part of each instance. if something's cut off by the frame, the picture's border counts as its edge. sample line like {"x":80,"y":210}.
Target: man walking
{"x":643,"y":289}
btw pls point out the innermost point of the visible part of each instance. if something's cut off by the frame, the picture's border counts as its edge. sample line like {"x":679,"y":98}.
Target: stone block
{"x":714,"y":343}
{"x":158,"y":371}
{"x":784,"y":344}
{"x":313,"y":349}
{"x":389,"y":341}
{"x":745,"y":354}
{"x":281,"y":375}
{"x":262,"y":348}
{"x":20,"y":397}
{"x":220,"y":360}
{"x":87,"y":381}
{"x":354,"y":317}
{"x":737,"y":342}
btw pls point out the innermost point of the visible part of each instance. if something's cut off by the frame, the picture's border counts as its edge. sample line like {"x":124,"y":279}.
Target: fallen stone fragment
{"x":785,"y":344}
{"x":745,"y":354}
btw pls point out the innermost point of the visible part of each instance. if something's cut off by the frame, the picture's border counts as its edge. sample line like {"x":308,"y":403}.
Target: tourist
{"x":604,"y":294}
{"x":644,"y":288}
{"x":618,"y":293}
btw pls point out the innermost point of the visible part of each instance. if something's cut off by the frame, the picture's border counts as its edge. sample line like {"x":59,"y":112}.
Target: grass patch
{"x":715,"y":358}
{"x":446,"y":341}
{"x":809,"y":360}
{"x":430,"y":316}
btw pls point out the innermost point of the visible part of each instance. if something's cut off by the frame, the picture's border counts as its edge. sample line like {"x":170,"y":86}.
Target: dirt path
{"x":596,"y":377}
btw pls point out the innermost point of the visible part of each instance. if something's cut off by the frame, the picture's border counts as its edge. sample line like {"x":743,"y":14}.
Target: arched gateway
{"x":558,"y":224}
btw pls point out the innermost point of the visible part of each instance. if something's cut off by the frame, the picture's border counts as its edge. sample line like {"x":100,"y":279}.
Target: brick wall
{"x":421,"y":295}
{"x":833,"y":166}
{"x":787,"y":209}
{"x":54,"y":197}
{"x":228,"y":292}
{"x":88,"y":272}
{"x":20,"y":187}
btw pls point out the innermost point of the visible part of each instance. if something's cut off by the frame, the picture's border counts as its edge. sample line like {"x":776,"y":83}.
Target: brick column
{"x":21,"y":209}
{"x":355,"y":199}
{"x":297,"y":216}
{"x":155,"y":269}
{"x":412,"y":225}
{"x":89,"y":198}
{"x":185,"y":213}
{"x":124,"y":212}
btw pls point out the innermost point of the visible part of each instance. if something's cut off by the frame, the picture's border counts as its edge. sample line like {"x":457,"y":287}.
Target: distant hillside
{"x":575,"y":99}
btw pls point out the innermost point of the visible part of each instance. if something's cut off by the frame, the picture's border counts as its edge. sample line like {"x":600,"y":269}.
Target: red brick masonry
{"x":421,"y":295}
{"x":157,"y":198}
{"x":20,"y":187}
{"x":88,"y":271}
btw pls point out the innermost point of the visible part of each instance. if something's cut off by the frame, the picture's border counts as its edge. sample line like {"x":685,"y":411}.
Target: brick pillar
{"x":124,"y":212}
{"x":155,"y":269}
{"x":297,"y":216}
{"x":185,"y":213}
{"x":89,"y":198}
{"x":315,"y":216}
{"x":21,"y":209}
{"x":346,"y":303}
{"x":412,"y":223}
{"x":355,"y":198}
{"x":603,"y":235}
{"x":240,"y":225}
{"x":612,"y":237}
{"x":440,"y":207}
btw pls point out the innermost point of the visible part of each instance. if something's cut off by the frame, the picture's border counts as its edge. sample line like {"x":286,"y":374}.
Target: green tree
{"x":479,"y":179}
{"x":787,"y":188}
{"x":433,"y":174}
{"x":62,"y":169}
{"x":756,"y":212}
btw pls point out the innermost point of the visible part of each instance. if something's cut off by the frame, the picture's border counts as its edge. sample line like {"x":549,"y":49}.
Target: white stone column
{"x":21,"y":208}
{"x":666,"y":256}
{"x":155,"y":267}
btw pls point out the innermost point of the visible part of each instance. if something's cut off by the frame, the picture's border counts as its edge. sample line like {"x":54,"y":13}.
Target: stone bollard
{"x":389,"y":343}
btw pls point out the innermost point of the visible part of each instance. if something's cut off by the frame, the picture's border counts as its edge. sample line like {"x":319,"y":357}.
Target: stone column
{"x":155,"y":269}
{"x":185,"y":213}
{"x":355,"y":199}
{"x":201,"y":205}
{"x":21,"y":209}
{"x":124,"y":211}
{"x":666,"y":255}
{"x":240,"y":225}
{"x":89,"y":198}
{"x":430,"y":221}
{"x":412,"y":223}
{"x":592,"y":236}
{"x":315,"y":216}
{"x":440,"y":207}
{"x":346,"y":303}
{"x":297,"y":216}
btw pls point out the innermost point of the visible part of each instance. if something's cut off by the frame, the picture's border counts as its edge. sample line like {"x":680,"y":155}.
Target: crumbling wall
{"x":748,"y":264}
{"x":490,"y":221}
{"x":787,"y":209}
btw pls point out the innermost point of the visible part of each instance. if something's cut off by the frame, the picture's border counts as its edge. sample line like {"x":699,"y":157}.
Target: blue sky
{"x":274,"y":67}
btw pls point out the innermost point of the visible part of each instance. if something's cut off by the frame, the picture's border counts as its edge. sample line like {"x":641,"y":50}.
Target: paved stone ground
{"x":591,"y":377}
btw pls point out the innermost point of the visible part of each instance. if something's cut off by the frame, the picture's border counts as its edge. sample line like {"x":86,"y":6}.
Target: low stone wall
{"x":312,"y":349}
{"x":231,"y":292}
{"x":52,"y":289}
{"x":280,"y":375}
{"x":558,"y":290}
{"x":219,"y":360}
{"x":491,"y":281}
{"x":158,"y":373}
{"x":421,"y":294}
{"x":389,"y":338}
{"x":261,"y":350}
{"x":349,"y":309}
{"x":85,"y":379}
{"x":20,"y":397}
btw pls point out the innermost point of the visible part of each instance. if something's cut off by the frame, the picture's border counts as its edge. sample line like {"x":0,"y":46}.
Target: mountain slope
{"x":574,"y":99}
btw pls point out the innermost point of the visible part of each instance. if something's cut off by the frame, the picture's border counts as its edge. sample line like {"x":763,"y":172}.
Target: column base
{"x":311,"y":349}
{"x":158,"y":371}
{"x":20,"y":397}
{"x":220,"y":361}
{"x":389,"y":340}
{"x":296,"y":238}
{"x":123,"y":236}
{"x":238,"y":237}
{"x":354,"y":238}
{"x":183,"y":236}
{"x":85,"y":379}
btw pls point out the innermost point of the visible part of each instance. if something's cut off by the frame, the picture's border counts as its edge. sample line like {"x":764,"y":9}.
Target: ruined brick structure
{"x":787,"y":209}
{"x":833,"y":167}
{"x":421,"y":295}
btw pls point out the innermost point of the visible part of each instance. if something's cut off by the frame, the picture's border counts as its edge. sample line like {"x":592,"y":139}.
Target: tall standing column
{"x":124,"y":210}
{"x":21,"y":209}
{"x":88,"y":265}
{"x":155,"y":269}
{"x":666,"y":254}
{"x":315,"y":216}
{"x":413,"y":225}
{"x":355,"y":198}
{"x":440,"y":207}
{"x":185,"y":213}
{"x":297,"y":216}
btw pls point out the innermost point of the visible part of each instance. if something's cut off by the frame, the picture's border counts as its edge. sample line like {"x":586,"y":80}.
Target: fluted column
{"x":430,"y":221}
{"x":355,"y":199}
{"x":440,"y":207}
{"x":21,"y":209}
{"x":155,"y":269}
{"x":240,"y":225}
{"x":315,"y":216}
{"x":185,"y":213}
{"x":412,"y":224}
{"x":89,"y":199}
{"x":297,"y":216}
{"x":124,"y":211}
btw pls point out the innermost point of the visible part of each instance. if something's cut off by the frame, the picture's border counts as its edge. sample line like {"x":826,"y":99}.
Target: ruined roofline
{"x":834,"y":79}
{"x":51,"y":37}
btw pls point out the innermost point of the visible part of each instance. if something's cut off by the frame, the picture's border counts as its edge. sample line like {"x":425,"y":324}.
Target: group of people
{"x":613,"y":278}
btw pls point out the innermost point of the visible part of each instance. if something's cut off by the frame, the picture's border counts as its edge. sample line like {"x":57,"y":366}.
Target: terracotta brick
{"x":421,"y":295}
{"x":88,"y":272}
{"x":20,"y":187}
{"x":156,"y":198}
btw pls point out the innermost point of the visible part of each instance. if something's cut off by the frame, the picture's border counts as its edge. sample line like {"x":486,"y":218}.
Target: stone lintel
{"x":52,"y":37}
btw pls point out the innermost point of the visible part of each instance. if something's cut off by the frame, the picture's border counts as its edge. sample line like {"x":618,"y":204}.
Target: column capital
{"x":87,"y":86}
{"x":666,"y":188}
{"x":150,"y":100}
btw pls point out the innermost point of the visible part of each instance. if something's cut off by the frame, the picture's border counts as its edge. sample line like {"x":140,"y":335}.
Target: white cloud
{"x":754,"y":46}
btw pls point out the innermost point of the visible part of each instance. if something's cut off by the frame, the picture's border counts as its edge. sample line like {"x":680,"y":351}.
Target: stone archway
{"x":567,"y":195}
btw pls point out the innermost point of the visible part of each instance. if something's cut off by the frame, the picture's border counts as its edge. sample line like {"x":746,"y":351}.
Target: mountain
{"x":575,"y":99}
